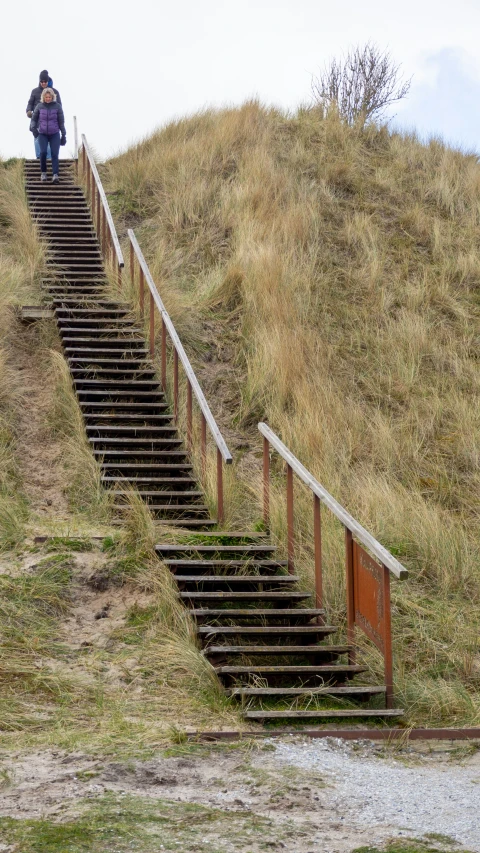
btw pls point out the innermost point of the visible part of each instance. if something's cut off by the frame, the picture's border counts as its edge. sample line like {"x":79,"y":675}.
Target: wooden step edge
{"x":324,"y":714}
{"x":273,"y":630}
{"x":300,"y":651}
{"x":323,"y":690}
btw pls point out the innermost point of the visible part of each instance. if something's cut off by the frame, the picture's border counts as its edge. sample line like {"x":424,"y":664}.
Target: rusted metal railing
{"x":179,"y":356}
{"x":101,"y":215}
{"x":368,"y":581}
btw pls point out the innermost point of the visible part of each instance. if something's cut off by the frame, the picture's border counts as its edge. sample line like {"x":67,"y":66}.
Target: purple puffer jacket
{"x":48,"y":119}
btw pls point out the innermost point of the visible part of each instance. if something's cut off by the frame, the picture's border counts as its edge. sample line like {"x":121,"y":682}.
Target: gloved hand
{"x":30,"y":113}
{"x":63,"y":140}
{"x":35,"y":134}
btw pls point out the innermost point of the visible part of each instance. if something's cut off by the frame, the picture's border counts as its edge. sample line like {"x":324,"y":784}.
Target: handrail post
{"x":98,"y":213}
{"x":119,"y":278}
{"x":203,"y":444}
{"x":317,"y":535}
{"x":132,"y":267}
{"x":164,"y":355}
{"x":141,"y":290}
{"x":350,"y":594}
{"x":83,"y":160}
{"x":175,"y":385}
{"x":266,"y":483}
{"x":219,"y":487}
{"x":189,"y":414}
{"x":152,"y":326}
{"x":104,"y":231}
{"x":290,"y":522}
{"x":92,"y":193}
{"x":387,"y":650}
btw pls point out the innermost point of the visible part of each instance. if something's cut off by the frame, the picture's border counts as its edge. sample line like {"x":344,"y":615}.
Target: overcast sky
{"x":126,"y":68}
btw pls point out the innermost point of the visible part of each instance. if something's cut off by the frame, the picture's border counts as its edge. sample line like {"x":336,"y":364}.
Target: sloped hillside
{"x":327,"y":280}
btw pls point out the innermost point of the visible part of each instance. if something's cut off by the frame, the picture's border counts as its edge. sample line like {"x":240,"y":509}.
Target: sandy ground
{"x":338,"y":795}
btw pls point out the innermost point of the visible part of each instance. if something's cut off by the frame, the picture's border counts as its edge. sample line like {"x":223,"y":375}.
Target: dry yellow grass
{"x":332,"y":278}
{"x":22,"y":262}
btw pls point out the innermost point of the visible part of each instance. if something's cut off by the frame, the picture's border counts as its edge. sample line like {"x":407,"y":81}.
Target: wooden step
{"x":263,"y":614}
{"x":322,"y":671}
{"x":143,"y":454}
{"x":247,"y":549}
{"x":228,"y":580}
{"x":299,"y":651}
{"x":252,"y":595}
{"x":322,"y":715}
{"x":266,"y":630}
{"x":141,"y":442}
{"x":227,"y":564}
{"x":365,"y":690}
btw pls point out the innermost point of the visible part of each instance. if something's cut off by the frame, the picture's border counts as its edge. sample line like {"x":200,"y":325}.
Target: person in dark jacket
{"x":44,"y":81}
{"x":48,"y":126}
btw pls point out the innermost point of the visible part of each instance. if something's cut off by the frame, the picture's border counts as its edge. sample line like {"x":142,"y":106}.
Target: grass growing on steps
{"x":325,"y":280}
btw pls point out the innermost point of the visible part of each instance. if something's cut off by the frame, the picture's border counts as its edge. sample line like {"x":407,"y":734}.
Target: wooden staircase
{"x":272,"y":650}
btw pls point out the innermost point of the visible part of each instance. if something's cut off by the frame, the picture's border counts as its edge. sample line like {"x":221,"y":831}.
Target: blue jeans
{"x":54,"y":141}
{"x":37,"y":150}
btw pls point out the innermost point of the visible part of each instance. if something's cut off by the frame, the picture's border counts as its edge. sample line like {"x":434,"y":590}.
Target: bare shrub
{"x":362,"y":85}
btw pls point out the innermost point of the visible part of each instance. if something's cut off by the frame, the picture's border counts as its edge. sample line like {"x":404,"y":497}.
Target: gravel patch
{"x":375,"y":792}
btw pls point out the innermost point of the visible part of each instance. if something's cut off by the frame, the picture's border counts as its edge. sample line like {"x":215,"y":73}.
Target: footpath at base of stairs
{"x":270,"y":648}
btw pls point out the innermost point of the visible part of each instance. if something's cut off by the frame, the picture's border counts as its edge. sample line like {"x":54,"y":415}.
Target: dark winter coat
{"x":48,"y":119}
{"x":37,"y":94}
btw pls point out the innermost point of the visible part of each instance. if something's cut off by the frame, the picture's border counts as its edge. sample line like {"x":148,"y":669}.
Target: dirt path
{"x":300,"y":796}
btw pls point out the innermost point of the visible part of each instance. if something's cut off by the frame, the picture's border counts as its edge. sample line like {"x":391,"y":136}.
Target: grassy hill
{"x":327,"y":280}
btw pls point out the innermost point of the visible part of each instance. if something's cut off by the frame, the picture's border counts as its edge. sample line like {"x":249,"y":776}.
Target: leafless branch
{"x":362,"y":85}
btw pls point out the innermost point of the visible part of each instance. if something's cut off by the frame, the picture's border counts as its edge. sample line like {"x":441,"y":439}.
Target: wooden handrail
{"x":367,"y":581}
{"x":347,"y":520}
{"x":97,"y":195}
{"x":179,"y":355}
{"x":199,"y":395}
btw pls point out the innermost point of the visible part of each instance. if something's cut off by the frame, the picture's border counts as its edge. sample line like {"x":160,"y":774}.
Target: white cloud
{"x":446,"y":102}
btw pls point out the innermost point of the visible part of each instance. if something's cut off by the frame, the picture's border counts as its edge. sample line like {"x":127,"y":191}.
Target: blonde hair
{"x":48,"y":91}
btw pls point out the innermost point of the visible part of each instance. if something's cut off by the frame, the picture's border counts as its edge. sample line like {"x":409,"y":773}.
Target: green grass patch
{"x":117,"y":824}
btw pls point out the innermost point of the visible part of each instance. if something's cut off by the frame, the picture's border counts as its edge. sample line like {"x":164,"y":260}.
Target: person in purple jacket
{"x":48,"y":126}
{"x":44,"y":81}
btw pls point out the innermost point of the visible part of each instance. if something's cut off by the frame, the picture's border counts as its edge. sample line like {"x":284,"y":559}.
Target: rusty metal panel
{"x":369,"y":596}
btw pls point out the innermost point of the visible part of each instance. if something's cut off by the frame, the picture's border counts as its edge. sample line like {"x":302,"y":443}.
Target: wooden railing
{"x":75,"y":143}
{"x":112,"y":251}
{"x":101,"y":215}
{"x":367,"y":581}
{"x":168,"y":332}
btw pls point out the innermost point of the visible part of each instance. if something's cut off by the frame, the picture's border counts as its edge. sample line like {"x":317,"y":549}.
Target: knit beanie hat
{"x":44,"y":77}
